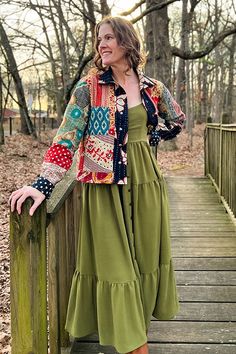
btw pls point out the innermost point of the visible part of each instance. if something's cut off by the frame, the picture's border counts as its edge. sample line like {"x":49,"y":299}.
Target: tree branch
{"x":201,"y":53}
{"x":153,"y":8}
{"x":128,"y":12}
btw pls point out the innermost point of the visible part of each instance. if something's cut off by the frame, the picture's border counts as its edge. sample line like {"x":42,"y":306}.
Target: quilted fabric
{"x":96,"y":122}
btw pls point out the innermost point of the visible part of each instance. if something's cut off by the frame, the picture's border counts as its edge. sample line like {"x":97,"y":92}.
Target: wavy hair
{"x":126,"y":37}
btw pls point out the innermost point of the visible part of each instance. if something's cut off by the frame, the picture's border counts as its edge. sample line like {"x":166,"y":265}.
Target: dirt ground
{"x":20,"y":161}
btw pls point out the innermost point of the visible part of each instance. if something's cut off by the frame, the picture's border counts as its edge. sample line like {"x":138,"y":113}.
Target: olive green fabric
{"x":124,"y":271}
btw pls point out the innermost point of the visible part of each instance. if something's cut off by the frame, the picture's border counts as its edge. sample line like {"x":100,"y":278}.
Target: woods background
{"x":47,"y":45}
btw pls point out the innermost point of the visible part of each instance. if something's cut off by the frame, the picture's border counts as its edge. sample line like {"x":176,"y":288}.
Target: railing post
{"x":206,"y":166}
{"x":28,"y":281}
{"x":62,"y":238}
{"x":220,"y":159}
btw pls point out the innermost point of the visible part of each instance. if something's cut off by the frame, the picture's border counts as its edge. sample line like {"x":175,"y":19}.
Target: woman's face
{"x":108,"y":48}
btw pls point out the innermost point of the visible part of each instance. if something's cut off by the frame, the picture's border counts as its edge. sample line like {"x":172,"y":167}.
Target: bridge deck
{"x":204,"y":252}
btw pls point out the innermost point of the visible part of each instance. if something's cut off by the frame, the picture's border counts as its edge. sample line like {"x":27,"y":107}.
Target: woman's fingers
{"x":37,"y":202}
{"x":18,"y":197}
{"x":20,"y":201}
{"x":14,"y":198}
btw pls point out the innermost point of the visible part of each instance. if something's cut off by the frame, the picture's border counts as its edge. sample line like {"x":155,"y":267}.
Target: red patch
{"x":59,"y":155}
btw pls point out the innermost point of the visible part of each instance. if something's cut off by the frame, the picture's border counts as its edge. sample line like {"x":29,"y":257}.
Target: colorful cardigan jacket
{"x":96,"y":123}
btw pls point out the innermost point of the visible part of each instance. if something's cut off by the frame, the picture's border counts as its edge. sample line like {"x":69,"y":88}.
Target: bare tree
{"x":26,"y":124}
{"x":1,"y":111}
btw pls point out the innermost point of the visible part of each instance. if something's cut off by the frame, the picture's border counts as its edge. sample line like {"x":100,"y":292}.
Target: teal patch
{"x":76,"y":113}
{"x":66,"y":142}
{"x":99,"y":121}
{"x":79,"y":134}
{"x":73,"y":112}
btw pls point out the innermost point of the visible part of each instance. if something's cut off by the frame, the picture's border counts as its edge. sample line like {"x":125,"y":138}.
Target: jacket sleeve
{"x":171,"y":113}
{"x":59,"y":156}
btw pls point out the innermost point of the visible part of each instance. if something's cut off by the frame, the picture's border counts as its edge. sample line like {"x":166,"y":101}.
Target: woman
{"x":124,"y":272}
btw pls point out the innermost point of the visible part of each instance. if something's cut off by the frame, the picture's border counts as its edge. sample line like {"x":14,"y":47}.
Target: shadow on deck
{"x":204,"y":252}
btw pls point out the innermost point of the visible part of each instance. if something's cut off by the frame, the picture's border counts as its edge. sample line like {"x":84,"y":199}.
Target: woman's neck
{"x":121,"y":75}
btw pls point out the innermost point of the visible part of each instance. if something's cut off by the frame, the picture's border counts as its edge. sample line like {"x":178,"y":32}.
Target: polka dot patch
{"x":59,"y":155}
{"x":44,"y":186}
{"x":155,"y":138}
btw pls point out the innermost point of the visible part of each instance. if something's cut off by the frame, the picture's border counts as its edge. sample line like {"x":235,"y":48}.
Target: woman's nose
{"x":102,"y":44}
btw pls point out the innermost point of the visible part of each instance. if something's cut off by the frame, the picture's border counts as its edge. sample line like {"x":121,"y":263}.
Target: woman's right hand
{"x":18,"y":197}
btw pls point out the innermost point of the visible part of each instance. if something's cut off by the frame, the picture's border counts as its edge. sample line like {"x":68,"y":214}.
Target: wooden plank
{"x":28,"y":280}
{"x":207,"y":293}
{"x":204,"y":227}
{"x":197,"y":213}
{"x":198,"y":207}
{"x":202,"y":234}
{"x":204,"y":252}
{"x":205,"y":277}
{"x":186,"y":242}
{"x":188,"y":201}
{"x":53,"y":288}
{"x":192,"y":332}
{"x":205,"y":263}
{"x":159,"y":348}
{"x":187,"y":332}
{"x":206,"y":311}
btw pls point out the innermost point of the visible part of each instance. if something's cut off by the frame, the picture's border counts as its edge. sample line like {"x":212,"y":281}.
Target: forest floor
{"x":20,"y":161}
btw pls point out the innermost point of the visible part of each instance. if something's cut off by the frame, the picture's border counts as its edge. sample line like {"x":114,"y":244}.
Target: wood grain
{"x":28,"y":280}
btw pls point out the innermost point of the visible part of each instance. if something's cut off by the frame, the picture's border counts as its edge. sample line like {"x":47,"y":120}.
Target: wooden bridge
{"x":203,"y":248}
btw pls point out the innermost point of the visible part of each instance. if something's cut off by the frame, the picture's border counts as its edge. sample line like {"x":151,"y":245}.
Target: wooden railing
{"x":220,"y":162}
{"x":43,"y":257}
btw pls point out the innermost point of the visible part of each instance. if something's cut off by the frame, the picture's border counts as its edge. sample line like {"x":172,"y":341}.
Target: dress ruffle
{"x":125,"y":308}
{"x":112,"y":310}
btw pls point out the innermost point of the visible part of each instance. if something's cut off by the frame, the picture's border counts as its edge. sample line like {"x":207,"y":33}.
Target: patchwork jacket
{"x":96,"y":123}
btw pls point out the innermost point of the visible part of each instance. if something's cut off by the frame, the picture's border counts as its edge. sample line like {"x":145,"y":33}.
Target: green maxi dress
{"x":124,"y":272}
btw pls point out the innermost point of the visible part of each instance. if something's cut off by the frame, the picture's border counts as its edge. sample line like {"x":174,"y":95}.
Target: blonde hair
{"x":126,"y":37}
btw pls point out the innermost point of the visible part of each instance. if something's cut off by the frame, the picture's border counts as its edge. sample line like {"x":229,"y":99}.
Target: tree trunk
{"x":26,"y":124}
{"x":181,"y":77}
{"x":204,"y":92}
{"x":229,"y":106}
{"x":158,"y":45}
{"x":105,"y":10}
{"x":1,"y":112}
{"x":56,"y":90}
{"x":216,"y":112}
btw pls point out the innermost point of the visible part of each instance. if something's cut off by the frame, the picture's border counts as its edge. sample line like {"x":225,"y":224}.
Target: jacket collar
{"x":144,"y":81}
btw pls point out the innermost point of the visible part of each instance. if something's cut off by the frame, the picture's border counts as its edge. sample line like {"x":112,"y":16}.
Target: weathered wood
{"x":62,"y":190}
{"x":62,"y":232}
{"x":206,"y":277}
{"x":28,"y":281}
{"x":204,"y":252}
{"x":182,"y":207}
{"x":192,"y":332}
{"x":193,"y":218}
{"x":204,"y":227}
{"x":210,"y":214}
{"x":207,"y":293}
{"x":204,"y":242}
{"x":159,"y":348}
{"x":205,"y":263}
{"x":67,"y":257}
{"x":201,"y":234}
{"x":220,"y":163}
{"x":188,"y":332}
{"x":53,"y":289}
{"x":206,"y":311}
